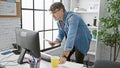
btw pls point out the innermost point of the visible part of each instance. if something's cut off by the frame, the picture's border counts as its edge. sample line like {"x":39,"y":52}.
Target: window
{"x":35,"y":16}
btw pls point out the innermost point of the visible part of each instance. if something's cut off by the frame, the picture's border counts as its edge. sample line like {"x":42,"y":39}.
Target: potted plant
{"x":94,"y":34}
{"x":109,"y":32}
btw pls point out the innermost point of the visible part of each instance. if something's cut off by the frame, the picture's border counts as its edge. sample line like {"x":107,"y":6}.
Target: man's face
{"x":57,"y":14}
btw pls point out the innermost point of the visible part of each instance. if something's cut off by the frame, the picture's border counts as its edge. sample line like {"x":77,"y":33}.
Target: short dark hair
{"x":57,"y":5}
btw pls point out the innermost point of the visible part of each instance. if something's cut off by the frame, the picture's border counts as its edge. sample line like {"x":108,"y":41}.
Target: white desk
{"x":5,"y":60}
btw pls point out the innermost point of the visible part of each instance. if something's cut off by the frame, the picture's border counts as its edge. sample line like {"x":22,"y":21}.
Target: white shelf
{"x":92,"y":27}
{"x":94,"y":39}
{"x":86,"y":11}
{"x":92,"y":53}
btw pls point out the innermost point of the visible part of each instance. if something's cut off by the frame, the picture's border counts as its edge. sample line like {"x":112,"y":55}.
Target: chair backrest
{"x":106,"y":64}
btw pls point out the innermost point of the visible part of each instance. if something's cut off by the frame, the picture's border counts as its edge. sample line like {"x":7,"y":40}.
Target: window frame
{"x":44,"y":30}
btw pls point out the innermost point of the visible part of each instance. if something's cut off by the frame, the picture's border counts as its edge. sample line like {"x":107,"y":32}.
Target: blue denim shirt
{"x":77,"y":32}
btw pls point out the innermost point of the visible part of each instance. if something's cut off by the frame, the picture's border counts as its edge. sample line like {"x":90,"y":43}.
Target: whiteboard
{"x":7,"y":8}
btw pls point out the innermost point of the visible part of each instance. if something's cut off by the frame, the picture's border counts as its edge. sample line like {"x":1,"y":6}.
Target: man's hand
{"x":52,"y":43}
{"x":57,"y":41}
{"x":63,"y":60}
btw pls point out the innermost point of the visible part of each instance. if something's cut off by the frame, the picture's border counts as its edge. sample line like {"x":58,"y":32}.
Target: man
{"x":73,"y":28}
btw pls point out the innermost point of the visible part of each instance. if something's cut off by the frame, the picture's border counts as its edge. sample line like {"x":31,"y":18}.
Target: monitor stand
{"x":2,"y":66}
{"x":21,"y":59}
{"x":17,"y":52}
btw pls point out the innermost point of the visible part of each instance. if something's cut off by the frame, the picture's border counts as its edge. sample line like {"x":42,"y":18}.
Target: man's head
{"x":57,"y":9}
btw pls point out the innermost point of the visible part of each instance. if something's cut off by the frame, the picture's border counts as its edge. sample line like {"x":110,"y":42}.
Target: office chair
{"x":106,"y":64}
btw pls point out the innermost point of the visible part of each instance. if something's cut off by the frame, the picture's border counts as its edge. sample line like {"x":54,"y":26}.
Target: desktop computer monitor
{"x":29,"y":42}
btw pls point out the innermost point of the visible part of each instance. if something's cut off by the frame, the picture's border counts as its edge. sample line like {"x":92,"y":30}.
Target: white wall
{"x":73,"y":4}
{"x":66,"y":4}
{"x":70,"y":4}
{"x":7,"y":34}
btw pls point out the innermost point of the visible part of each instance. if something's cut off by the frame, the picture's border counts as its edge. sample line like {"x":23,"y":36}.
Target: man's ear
{"x":62,"y":10}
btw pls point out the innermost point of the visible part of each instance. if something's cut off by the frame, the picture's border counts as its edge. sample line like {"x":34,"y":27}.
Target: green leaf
{"x":108,"y":9}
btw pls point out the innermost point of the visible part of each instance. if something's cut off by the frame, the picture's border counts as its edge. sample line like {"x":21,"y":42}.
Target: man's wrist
{"x":58,"y":41}
{"x":65,"y":56}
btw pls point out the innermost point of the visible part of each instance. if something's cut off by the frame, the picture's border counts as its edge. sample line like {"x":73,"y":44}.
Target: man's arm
{"x":71,"y":36}
{"x":66,"y":54}
{"x":63,"y":59}
{"x":73,"y":22}
{"x":57,"y":41}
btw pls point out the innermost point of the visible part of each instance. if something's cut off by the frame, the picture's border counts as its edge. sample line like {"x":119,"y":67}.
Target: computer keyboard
{"x":45,"y":56}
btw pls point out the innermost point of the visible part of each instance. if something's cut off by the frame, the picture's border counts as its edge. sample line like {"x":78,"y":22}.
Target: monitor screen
{"x":28,"y":41}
